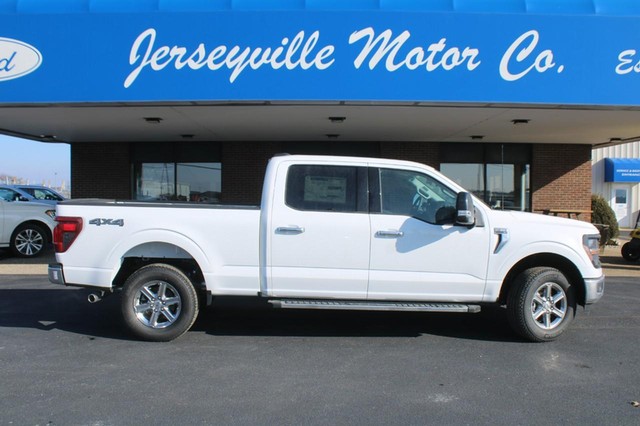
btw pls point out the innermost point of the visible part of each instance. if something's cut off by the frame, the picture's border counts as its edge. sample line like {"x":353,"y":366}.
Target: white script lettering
{"x":628,"y":62}
{"x":542,"y":62}
{"x":436,"y":55}
{"x":297,"y":53}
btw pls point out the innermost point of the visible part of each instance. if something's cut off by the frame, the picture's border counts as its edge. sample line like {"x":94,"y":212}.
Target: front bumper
{"x":56,"y":275}
{"x":594,"y":289}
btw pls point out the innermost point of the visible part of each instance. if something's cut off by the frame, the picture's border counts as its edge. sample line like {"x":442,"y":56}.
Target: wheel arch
{"x":47,"y":231}
{"x":550,"y":260}
{"x":188,"y":261}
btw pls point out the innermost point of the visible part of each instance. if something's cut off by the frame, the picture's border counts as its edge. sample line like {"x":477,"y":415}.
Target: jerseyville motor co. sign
{"x":320,"y":56}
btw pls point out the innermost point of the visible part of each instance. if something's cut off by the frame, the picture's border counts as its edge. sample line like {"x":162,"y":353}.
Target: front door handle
{"x":389,"y":234}
{"x":289,"y":230}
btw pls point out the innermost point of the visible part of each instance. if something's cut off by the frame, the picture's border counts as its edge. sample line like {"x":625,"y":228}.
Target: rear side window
{"x":322,"y":188}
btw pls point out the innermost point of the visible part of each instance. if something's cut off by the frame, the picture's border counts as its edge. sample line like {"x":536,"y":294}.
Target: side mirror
{"x":466,"y":212}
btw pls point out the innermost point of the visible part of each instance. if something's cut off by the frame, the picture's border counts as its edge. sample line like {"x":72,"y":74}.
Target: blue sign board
{"x":303,"y":55}
{"x":622,"y":169}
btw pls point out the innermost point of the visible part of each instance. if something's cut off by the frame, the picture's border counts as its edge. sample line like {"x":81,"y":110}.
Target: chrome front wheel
{"x":541,"y":304}
{"x":549,"y":306}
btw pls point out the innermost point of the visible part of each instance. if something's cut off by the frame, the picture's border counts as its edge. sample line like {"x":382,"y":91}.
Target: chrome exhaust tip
{"x":95,"y":297}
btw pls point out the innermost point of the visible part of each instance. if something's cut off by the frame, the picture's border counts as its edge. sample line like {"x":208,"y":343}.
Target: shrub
{"x":603,"y":214}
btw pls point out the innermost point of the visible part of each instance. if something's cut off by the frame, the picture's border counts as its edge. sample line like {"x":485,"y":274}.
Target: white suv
{"x":26,"y":228}
{"x":40,"y":194}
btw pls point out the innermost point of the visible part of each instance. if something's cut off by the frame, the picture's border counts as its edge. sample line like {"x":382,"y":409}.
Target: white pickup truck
{"x":331,"y":233}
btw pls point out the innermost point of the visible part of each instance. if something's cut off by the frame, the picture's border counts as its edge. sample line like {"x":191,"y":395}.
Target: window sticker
{"x":325,"y":189}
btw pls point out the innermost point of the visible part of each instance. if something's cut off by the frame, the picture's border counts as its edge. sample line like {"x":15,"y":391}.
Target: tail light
{"x":65,"y":232}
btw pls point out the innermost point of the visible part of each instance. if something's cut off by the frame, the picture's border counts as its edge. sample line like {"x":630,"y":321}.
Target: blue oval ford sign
{"x":17,"y":59}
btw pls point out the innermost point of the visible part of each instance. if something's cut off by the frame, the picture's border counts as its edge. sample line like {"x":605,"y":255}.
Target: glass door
{"x":620,"y":205}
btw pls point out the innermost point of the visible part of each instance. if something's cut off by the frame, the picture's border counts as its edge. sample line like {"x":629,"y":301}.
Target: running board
{"x":356,"y":305}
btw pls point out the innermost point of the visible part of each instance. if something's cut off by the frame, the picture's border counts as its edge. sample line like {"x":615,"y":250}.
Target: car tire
{"x":541,"y":304}
{"x":631,"y":252}
{"x":159,"y":303}
{"x":28,"y":240}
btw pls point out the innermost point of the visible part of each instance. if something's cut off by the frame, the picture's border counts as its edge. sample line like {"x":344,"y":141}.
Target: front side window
{"x":322,"y":188}
{"x":408,"y":193}
{"x":9,"y":195}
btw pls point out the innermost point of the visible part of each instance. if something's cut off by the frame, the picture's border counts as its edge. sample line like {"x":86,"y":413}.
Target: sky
{"x":37,"y":161}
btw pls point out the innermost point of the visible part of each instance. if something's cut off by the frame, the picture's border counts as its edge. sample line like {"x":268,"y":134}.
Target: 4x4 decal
{"x":100,"y":222}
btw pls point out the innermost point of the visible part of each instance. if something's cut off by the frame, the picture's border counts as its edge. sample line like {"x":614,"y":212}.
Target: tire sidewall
{"x":631,"y":251}
{"x":22,"y":228}
{"x":521,"y":298}
{"x":185,"y":289}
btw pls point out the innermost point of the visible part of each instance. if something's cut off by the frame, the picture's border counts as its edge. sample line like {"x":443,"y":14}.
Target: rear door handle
{"x":389,"y":234}
{"x":289,"y":230}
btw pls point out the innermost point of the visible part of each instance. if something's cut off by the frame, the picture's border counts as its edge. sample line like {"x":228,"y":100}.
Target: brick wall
{"x":100,"y":170}
{"x":243,"y":167}
{"x":422,"y":152}
{"x":561,"y":177}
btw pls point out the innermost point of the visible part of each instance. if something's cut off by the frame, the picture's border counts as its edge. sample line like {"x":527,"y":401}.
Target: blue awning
{"x":622,"y":169}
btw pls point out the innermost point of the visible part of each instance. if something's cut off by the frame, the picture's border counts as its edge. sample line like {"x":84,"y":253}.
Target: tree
{"x":604,"y":215}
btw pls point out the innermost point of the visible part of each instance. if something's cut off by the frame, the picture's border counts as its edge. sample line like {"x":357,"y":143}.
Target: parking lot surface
{"x":66,"y":362}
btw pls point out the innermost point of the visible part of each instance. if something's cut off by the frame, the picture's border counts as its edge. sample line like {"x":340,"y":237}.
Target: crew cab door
{"x":416,"y":251}
{"x":319,"y":232}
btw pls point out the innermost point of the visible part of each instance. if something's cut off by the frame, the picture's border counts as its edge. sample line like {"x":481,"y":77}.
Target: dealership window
{"x":177,"y":172}
{"x":499,"y":174}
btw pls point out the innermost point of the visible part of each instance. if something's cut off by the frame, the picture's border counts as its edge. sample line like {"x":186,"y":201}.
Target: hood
{"x":541,"y":220}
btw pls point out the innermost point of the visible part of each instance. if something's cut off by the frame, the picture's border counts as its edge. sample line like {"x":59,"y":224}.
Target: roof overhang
{"x":409,"y":70}
{"x":318,"y":122}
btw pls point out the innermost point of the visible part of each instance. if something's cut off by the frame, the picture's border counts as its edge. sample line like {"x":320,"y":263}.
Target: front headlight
{"x":51,"y":214}
{"x":591,"y":244}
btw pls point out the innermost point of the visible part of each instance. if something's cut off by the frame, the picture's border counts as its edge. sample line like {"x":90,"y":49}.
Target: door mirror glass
{"x":465,"y":211}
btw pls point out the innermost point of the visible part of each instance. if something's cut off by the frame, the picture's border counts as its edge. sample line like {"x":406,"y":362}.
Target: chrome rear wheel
{"x":159,"y":303}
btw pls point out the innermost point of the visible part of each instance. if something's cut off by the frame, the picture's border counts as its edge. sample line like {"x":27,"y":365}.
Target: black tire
{"x":159,"y":303}
{"x":631,"y":251}
{"x":541,"y":304}
{"x":28,"y":240}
